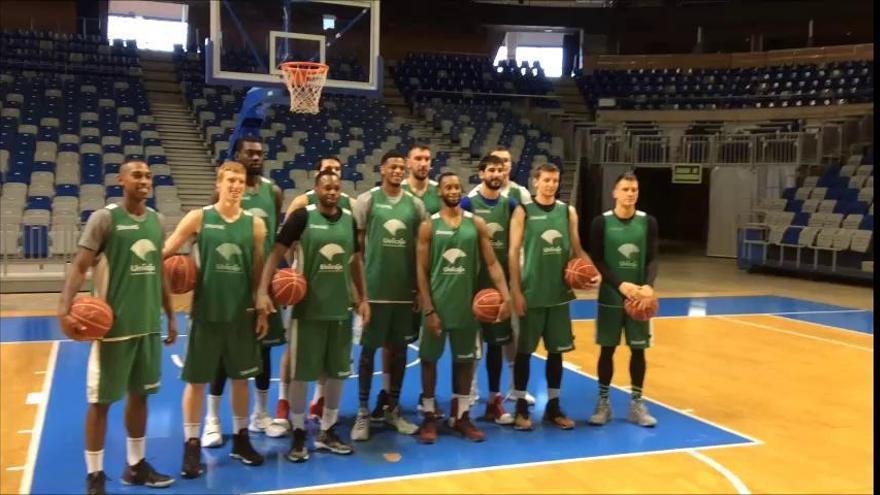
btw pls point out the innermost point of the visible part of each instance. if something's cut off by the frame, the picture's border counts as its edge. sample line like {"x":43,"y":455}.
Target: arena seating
{"x":65,"y":128}
{"x":824,"y":226}
{"x":834,"y":83}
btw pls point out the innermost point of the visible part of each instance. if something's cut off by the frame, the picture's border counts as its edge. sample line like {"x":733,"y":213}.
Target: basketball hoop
{"x":304,"y":80}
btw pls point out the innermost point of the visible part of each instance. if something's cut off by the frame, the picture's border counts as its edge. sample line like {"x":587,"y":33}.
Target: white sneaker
{"x":213,"y":434}
{"x":529,"y":397}
{"x":259,"y":422}
{"x":361,"y":429}
{"x":278,"y":428}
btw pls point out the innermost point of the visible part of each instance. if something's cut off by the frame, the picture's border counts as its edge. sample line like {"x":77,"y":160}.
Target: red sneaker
{"x":495,"y":412}
{"x":282,"y":409}
{"x":428,"y":430}
{"x":316,"y":409}
{"x":468,"y":430}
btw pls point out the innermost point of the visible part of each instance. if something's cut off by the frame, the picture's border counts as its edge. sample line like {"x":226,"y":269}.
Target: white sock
{"x":474,"y":385}
{"x":492,"y":396}
{"x":214,"y":406}
{"x":238,"y":423}
{"x":464,"y":403}
{"x":95,"y":461}
{"x":328,"y":419}
{"x":519,"y":394}
{"x":191,"y":430}
{"x":136,"y":450}
{"x":282,"y":391}
{"x":552,"y":393}
{"x":428,"y":404}
{"x":260,"y":405}
{"x":386,"y":382}
{"x":299,"y":421}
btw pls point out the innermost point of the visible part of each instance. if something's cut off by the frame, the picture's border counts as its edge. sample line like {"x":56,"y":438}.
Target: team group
{"x":405,"y":257}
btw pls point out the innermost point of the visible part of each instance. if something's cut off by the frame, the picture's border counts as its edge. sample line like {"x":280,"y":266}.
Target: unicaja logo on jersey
{"x":629,"y":251}
{"x":229,"y":252}
{"x":329,"y":251}
{"x":452,"y":256}
{"x":493,"y":229}
{"x":141,"y":249}
{"x":394,"y":226}
{"x":258,"y":212}
{"x":550,"y":237}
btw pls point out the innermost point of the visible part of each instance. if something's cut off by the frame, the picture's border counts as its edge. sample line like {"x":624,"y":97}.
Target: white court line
{"x":798,"y":334}
{"x":496,"y":468}
{"x":734,"y":480}
{"x":823,"y":325}
{"x":34,"y":446}
{"x":667,"y":406}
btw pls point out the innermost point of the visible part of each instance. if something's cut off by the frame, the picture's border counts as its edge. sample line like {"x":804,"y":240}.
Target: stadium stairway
{"x":185,"y":149}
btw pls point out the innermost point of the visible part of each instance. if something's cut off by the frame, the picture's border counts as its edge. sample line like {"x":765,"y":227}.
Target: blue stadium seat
{"x":35,"y":241}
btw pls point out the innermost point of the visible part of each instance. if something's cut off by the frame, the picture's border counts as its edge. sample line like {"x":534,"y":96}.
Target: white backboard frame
{"x":274,"y":76}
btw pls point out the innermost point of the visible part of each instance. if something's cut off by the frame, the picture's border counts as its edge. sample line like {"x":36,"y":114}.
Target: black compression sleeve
{"x":597,"y":252}
{"x":293,"y":228}
{"x":653,"y":249}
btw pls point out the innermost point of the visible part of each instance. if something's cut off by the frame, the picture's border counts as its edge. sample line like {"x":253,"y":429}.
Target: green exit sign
{"x":687,"y":174}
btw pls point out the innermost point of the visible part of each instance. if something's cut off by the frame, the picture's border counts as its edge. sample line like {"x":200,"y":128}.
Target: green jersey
{"x":223,"y":290}
{"x":431,"y":197}
{"x":545,"y":252}
{"x":625,"y":251}
{"x":325,"y":249}
{"x":134,"y":262}
{"x":390,"y":247}
{"x":261,"y":204}
{"x":344,"y":199}
{"x":497,"y":218}
{"x":455,"y":264}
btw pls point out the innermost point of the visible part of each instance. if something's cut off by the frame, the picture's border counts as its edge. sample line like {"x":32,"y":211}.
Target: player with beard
{"x":262,"y":198}
{"x":495,"y":208}
{"x":453,"y":246}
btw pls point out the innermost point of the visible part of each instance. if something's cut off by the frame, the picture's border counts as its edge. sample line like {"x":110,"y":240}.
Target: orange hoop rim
{"x":307,"y":67}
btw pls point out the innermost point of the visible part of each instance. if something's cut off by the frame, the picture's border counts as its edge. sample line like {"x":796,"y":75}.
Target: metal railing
{"x":814,"y":146}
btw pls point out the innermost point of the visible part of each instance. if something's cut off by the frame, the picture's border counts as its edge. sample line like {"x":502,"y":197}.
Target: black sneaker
{"x":95,"y":483}
{"x":378,"y":414}
{"x":553,"y":414}
{"x":143,"y":473}
{"x":327,"y":440}
{"x":243,"y":451}
{"x":298,"y":451}
{"x":192,"y":459}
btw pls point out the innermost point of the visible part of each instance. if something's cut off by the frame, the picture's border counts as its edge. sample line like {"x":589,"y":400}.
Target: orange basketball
{"x":578,"y":273}
{"x":487,"y":305}
{"x":94,"y":314}
{"x":641,"y":314}
{"x":288,"y":287}
{"x":180,"y":271}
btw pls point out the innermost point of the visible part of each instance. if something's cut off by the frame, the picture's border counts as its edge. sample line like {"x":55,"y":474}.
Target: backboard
{"x":249,"y":40}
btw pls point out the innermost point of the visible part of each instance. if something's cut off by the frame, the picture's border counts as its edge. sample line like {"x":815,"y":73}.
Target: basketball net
{"x":304,"y":80}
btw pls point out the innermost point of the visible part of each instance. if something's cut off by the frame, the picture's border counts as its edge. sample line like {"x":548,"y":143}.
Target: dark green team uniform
{"x":431,"y":200}
{"x":390,"y":251}
{"x":455,"y":265}
{"x":344,"y":199}
{"x":128,"y":359}
{"x":497,"y":218}
{"x":261,"y":203}
{"x":546,"y":251}
{"x":222,"y":328}
{"x":320,"y":328}
{"x":431,"y":196}
{"x":625,"y":249}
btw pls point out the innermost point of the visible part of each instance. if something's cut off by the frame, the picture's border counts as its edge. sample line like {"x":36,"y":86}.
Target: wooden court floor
{"x":804,"y":391}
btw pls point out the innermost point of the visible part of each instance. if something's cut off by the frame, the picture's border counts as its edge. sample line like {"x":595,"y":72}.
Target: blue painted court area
{"x":60,"y":466}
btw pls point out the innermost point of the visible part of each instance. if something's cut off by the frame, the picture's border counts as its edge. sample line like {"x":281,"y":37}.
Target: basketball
{"x":641,"y":314}
{"x":94,"y":314}
{"x":578,"y":273}
{"x":288,"y":287}
{"x":180,"y":272}
{"x":487,"y":305}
